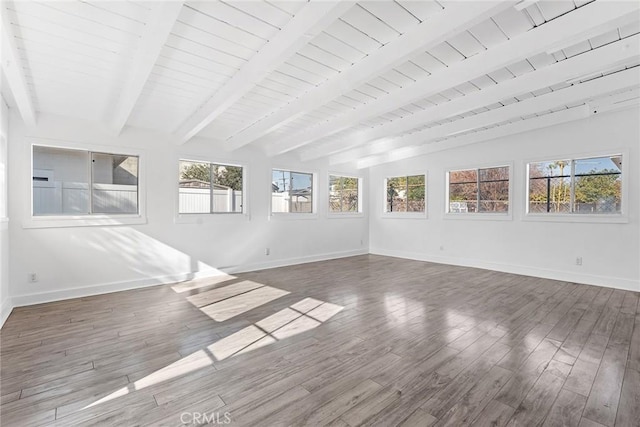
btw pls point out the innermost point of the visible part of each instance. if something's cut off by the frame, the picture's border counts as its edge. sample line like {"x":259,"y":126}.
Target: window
{"x":209,"y":188}
{"x":479,"y":190}
{"x":291,"y":192}
{"x":77,"y":182}
{"x":406,"y":194}
{"x":343,"y":194}
{"x":580,"y":186}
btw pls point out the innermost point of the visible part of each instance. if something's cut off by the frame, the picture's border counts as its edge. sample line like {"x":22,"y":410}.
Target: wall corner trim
{"x":6,"y":307}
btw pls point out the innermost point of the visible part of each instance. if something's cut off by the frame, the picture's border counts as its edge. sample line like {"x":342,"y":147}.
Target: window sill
{"x":83,"y":221}
{"x":580,"y":218}
{"x":479,"y":216}
{"x":404,"y":215}
{"x":345,"y":215}
{"x":291,"y":216}
{"x":211,"y":217}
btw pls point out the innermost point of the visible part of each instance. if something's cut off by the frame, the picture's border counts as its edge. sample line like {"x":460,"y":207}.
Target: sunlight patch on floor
{"x":218,"y":294}
{"x":203,"y":282}
{"x":300,"y":317}
{"x":239,"y":304}
{"x":193,"y":362}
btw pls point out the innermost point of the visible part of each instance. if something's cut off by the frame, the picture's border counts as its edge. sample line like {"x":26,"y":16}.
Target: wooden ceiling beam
{"x":618,"y":53}
{"x":157,"y":29}
{"x":306,"y":24}
{"x":14,"y":72}
{"x":596,"y":88}
{"x":552,"y":119}
{"x":601,"y":15}
{"x":454,"y":19}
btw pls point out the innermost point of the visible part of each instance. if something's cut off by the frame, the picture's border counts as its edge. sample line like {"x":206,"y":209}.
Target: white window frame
{"x":295,"y":215}
{"x":203,"y":217}
{"x":405,"y":215}
{"x":494,"y":216}
{"x":89,"y":220}
{"x":622,"y":217}
{"x":360,"y":212}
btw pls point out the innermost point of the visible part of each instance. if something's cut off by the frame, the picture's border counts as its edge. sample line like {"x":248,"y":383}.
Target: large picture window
{"x":207,"y":188}
{"x":291,"y":192}
{"x":406,"y":194}
{"x":576,"y":186}
{"x":77,"y":182}
{"x":343,"y":194}
{"x":479,"y":190}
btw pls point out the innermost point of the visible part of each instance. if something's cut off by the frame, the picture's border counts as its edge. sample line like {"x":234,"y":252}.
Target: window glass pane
{"x":463,"y":191}
{"x":279,"y":191}
{"x":335,"y":193}
{"x":555,"y":196}
{"x":301,"y":192}
{"x":343,"y":194}
{"x":415,"y":196}
{"x":291,"y":192}
{"x":114,"y":183}
{"x":397,"y":194}
{"x":598,"y":185}
{"x":550,"y":186}
{"x":494,"y":174}
{"x":227,"y":188}
{"x":464,"y":176}
{"x":194,"y":188}
{"x":539,"y":188}
{"x":349,"y":194}
{"x":60,"y":181}
{"x":552,"y":168}
{"x":494,"y":196}
{"x":494,"y":189}
{"x":596,"y":189}
{"x":463,"y":198}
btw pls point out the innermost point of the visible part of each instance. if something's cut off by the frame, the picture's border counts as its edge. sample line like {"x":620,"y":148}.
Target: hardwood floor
{"x":367,"y":340}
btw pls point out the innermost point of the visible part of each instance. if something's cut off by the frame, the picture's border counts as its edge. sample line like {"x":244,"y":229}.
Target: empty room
{"x":320,"y":213}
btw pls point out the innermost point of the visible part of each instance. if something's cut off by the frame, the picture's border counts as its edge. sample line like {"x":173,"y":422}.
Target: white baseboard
{"x":565,"y":276}
{"x":293,"y":261}
{"x":105,"y":288}
{"x":5,"y":310}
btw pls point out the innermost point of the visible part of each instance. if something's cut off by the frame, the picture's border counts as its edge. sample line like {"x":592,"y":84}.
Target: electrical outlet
{"x":33,"y":277}
{"x":579,"y":260}
{"x":266,"y":251}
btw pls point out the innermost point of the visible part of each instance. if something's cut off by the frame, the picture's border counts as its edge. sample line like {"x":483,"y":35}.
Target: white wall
{"x":610,"y":252}
{"x":73,"y":261}
{"x":5,"y":301}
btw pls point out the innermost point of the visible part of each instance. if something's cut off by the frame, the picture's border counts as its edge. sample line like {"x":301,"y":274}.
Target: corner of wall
{"x":6,"y":307}
{"x":523,"y":270}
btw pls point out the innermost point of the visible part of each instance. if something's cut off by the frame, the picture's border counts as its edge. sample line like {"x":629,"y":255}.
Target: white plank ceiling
{"x":363,"y":82}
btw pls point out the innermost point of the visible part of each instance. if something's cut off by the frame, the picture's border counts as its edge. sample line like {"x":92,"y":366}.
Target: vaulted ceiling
{"x":357,"y":82}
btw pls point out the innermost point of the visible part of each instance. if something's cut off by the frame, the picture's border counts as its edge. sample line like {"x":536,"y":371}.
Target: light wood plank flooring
{"x":367,"y":340}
